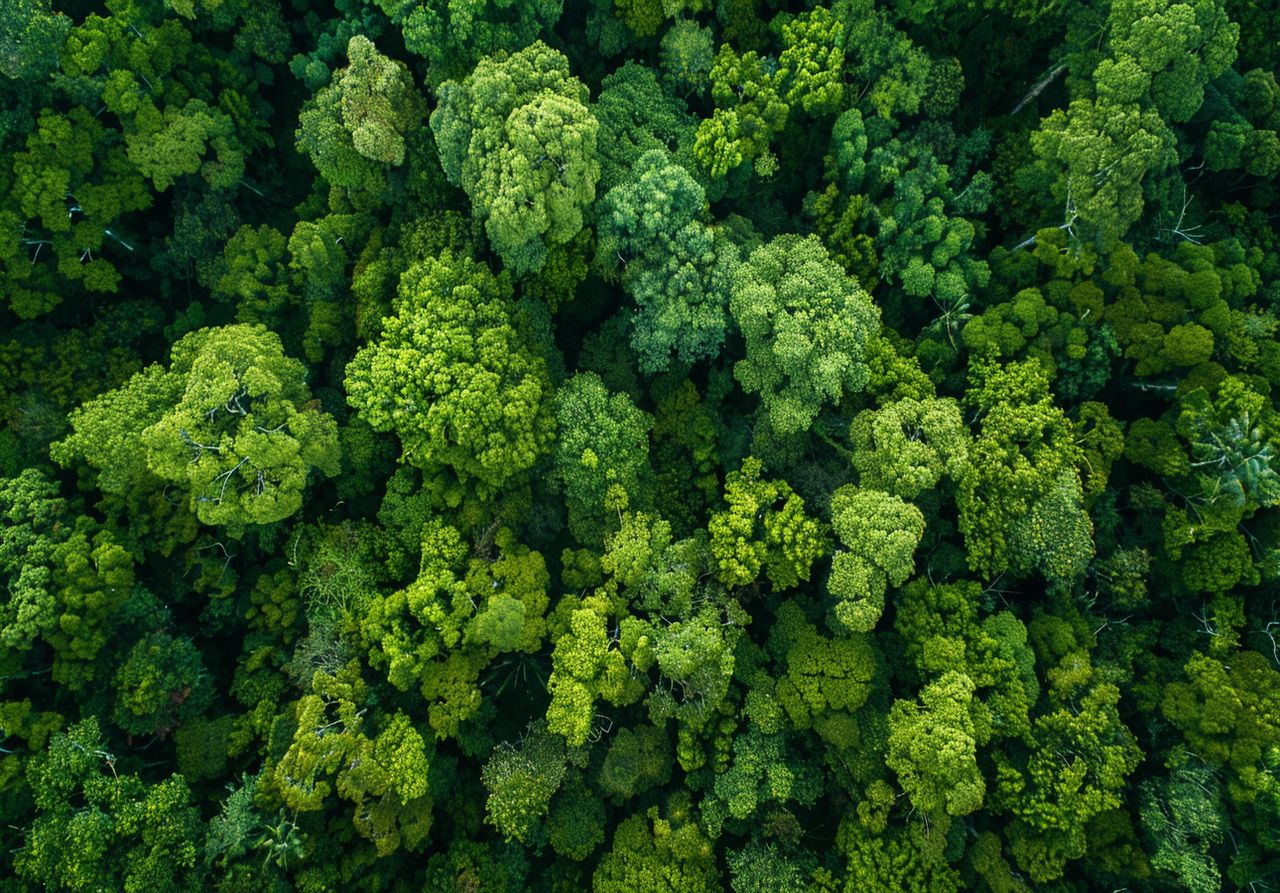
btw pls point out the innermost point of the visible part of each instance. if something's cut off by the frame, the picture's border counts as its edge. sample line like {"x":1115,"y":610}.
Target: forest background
{"x":639,"y":445}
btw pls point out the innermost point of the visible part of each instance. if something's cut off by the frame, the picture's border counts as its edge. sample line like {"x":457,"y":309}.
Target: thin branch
{"x":1040,"y":86}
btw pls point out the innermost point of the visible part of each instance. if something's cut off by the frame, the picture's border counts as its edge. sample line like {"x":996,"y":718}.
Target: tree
{"x":378,"y":101}
{"x":1097,"y":156}
{"x":749,"y":113}
{"x":805,"y":323}
{"x":933,"y":750}
{"x":161,"y":684}
{"x":637,"y":116}
{"x":1056,"y":535}
{"x":1233,"y":444}
{"x":1184,"y":814}
{"x":1075,"y":771}
{"x":173,"y":143}
{"x":764,"y":528}
{"x":891,"y":213}
{"x":255,"y":277}
{"x":759,"y":868}
{"x":638,"y":760}
{"x":762,"y":772}
{"x":656,"y":575}
{"x":70,"y":157}
{"x":645,"y":17}
{"x":688,"y":52}
{"x":355,"y":128}
{"x":678,"y":269}
{"x":106,"y":433}
{"x":811,"y":64}
{"x":522,"y":780}
{"x":754,"y":94}
{"x":29,"y":40}
{"x":907,"y":446}
{"x":100,"y":831}
{"x":942,"y":632}
{"x":438,"y":633}
{"x":695,"y":661}
{"x":601,"y":458}
{"x":454,"y":377}
{"x":823,"y":680}
{"x":576,"y":822}
{"x":519,"y":139}
{"x":666,"y":855}
{"x":880,"y":533}
{"x":244,"y":435}
{"x":453,"y":35}
{"x":384,"y":776}
{"x":1166,"y":53}
{"x":318,"y":264}
{"x":240,"y":829}
{"x":904,"y":856}
{"x":66,"y":579}
{"x":895,"y":70}
{"x":584,"y":668}
{"x":1024,"y":456}
{"x":685,"y":434}
{"x":230,"y":423}
{"x":1227,"y":714}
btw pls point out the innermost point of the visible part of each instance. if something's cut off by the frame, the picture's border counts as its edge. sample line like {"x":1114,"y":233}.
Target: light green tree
{"x":355,"y":128}
{"x":1024,"y":456}
{"x":907,"y":446}
{"x":521,"y":780}
{"x":601,"y":457}
{"x":456,"y":376}
{"x":805,"y":323}
{"x":879,"y":533}
{"x":231,"y":423}
{"x":665,"y":854}
{"x":519,"y":138}
{"x":933,"y":750}
{"x":764,"y":528}
{"x":97,"y":828}
{"x":244,"y":436}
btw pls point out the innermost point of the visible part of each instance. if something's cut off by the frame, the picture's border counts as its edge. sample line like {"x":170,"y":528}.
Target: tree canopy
{"x":764,"y":446}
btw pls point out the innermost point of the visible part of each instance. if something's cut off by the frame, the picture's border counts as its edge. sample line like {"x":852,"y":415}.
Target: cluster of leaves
{"x":660,"y":445}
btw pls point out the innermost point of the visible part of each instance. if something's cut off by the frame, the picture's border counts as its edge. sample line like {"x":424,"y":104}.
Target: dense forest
{"x":630,"y":446}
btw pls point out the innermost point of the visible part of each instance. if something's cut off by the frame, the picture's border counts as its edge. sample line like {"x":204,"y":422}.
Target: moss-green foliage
{"x":804,"y":324}
{"x":519,"y":139}
{"x":453,"y":350}
{"x":639,"y":445}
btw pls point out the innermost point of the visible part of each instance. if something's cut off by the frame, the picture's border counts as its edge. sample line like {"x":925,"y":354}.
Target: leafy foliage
{"x":639,"y":445}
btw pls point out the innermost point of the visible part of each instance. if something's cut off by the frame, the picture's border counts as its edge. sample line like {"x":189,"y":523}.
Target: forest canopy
{"x":484,"y":446}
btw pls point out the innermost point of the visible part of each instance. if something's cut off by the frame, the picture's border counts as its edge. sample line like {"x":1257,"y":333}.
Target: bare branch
{"x":1039,"y":86}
